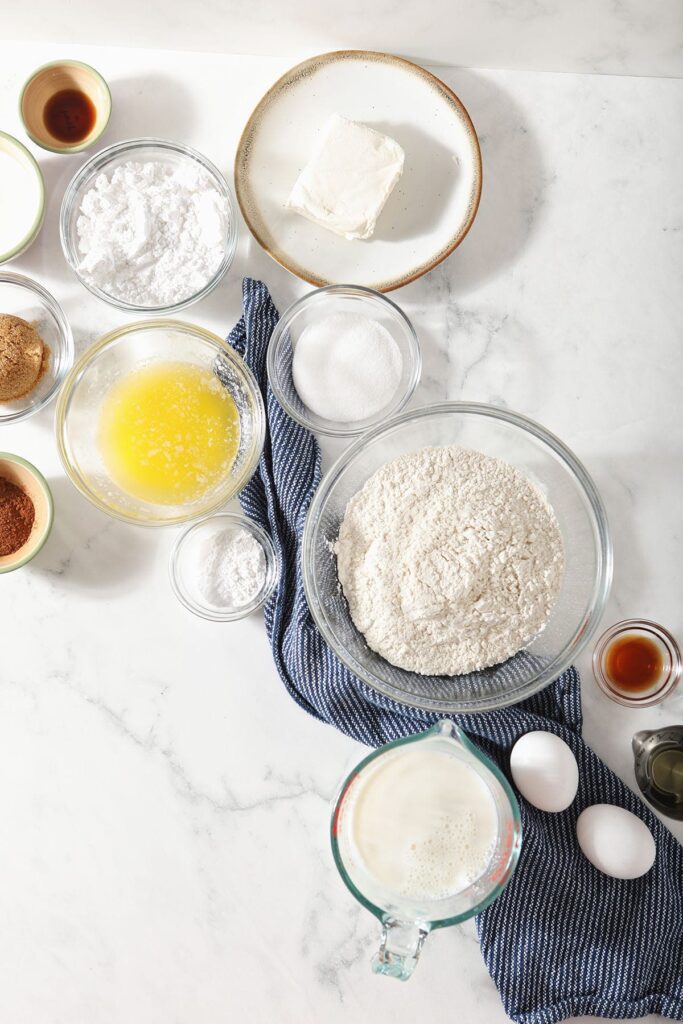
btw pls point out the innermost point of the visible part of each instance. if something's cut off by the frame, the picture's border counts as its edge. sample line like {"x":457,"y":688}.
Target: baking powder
{"x":230,"y":568}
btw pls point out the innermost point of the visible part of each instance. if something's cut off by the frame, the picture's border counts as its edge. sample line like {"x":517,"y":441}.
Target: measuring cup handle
{"x":400,"y":948}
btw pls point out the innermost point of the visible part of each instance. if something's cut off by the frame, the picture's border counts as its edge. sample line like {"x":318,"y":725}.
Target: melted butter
{"x":168,"y":433}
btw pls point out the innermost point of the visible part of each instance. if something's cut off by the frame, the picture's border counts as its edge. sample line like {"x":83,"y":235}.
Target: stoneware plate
{"x":429,"y":212}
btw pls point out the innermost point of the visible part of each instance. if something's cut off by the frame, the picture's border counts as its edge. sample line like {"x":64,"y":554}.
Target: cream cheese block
{"x":349,"y":178}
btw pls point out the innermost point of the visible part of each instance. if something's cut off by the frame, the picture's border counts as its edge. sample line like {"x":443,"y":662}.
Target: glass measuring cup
{"x":406,"y":922}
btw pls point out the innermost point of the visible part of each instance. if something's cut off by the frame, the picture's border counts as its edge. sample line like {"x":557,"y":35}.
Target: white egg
{"x":544,"y":770}
{"x":615,"y":841}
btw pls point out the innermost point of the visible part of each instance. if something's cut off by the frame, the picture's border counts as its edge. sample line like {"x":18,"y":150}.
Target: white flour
{"x":450,"y":561}
{"x":152,"y":234}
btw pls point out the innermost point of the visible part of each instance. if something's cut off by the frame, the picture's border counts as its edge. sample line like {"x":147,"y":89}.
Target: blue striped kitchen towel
{"x":563,"y":939}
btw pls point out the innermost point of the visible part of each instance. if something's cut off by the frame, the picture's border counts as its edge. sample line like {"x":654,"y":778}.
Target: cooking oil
{"x":659,"y":768}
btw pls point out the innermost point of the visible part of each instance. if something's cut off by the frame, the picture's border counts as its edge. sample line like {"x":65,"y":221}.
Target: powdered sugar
{"x":152,"y":234}
{"x":450,"y":561}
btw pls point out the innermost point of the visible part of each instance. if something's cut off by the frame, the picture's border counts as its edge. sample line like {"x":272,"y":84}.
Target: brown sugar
{"x":23,"y":357}
{"x":17,"y":513}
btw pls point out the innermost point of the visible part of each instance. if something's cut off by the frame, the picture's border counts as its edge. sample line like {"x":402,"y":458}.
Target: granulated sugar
{"x":346,"y":367}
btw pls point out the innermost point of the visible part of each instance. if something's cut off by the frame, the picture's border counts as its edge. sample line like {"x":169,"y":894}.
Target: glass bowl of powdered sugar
{"x":149,"y":226}
{"x":224,"y":567}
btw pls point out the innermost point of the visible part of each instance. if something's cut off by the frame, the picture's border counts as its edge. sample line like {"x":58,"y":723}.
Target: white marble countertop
{"x":164,"y":853}
{"x":624,"y":37}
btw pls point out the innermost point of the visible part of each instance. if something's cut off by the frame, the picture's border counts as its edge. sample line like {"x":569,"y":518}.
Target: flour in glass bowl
{"x":450,"y":561}
{"x":152,"y":234}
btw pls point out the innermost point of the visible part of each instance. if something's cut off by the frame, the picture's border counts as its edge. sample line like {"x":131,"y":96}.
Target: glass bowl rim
{"x":30,"y":236}
{"x":66,"y":342}
{"x":332,"y":428}
{"x":664,"y":636}
{"x":81,"y":366}
{"x":601,"y":586}
{"x":515,"y":848}
{"x":98,"y":162}
{"x":272,"y":567}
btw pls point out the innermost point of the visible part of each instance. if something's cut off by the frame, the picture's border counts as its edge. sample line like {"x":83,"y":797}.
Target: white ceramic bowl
{"x":430,"y":210}
{"x":25,"y":475}
{"x":26,"y":164}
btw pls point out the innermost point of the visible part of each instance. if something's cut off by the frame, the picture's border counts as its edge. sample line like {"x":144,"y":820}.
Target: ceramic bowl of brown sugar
{"x":26,"y":511}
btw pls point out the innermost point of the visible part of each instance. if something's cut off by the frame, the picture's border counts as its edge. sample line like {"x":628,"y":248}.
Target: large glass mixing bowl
{"x":568,"y":488}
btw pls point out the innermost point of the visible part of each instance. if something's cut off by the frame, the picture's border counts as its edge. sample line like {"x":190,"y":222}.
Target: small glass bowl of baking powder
{"x":150,"y":250}
{"x":224,"y":567}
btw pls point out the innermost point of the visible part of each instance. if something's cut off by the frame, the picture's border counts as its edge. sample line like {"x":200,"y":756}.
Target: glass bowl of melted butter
{"x":160,"y":422}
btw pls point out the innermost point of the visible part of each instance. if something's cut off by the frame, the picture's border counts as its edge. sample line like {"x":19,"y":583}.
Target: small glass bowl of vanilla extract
{"x":637,"y":663}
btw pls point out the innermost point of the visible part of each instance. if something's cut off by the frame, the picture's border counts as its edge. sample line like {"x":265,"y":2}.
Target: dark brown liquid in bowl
{"x":633,"y":663}
{"x":70,"y":115}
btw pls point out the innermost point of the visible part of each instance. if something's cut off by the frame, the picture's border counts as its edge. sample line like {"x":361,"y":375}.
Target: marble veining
{"x":165,"y":805}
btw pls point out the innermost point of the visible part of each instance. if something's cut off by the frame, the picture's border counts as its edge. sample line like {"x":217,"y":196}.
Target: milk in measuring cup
{"x":421,"y":823}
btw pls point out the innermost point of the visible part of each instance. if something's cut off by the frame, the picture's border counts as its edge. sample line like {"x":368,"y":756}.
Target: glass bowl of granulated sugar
{"x":486,"y":535}
{"x":343,"y":359}
{"x":149,"y":226}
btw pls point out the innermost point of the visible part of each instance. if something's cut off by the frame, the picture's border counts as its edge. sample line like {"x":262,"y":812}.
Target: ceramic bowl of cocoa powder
{"x":26,"y":511}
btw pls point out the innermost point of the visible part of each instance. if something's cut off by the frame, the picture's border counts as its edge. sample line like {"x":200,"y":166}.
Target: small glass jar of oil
{"x":659,"y":768}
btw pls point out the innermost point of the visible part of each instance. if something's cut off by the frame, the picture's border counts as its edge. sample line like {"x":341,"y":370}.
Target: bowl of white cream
{"x":22,"y":198}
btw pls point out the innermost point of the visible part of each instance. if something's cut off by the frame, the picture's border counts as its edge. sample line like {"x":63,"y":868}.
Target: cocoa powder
{"x":17,"y":513}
